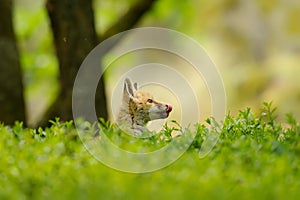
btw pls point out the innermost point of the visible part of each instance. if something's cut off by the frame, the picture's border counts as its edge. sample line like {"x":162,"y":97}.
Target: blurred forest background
{"x":255,"y":44}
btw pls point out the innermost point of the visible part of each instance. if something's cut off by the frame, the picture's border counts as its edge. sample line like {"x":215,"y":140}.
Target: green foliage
{"x":255,"y":157}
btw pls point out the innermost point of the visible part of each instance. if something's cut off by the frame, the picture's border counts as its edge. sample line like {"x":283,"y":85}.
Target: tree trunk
{"x":11,"y":88}
{"x":74,"y":33}
{"x":129,"y":19}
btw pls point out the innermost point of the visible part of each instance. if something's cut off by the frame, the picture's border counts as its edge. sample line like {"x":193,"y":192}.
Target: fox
{"x":138,"y":108}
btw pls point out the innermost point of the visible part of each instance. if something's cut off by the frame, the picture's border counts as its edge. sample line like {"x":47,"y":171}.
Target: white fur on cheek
{"x":156,"y":112}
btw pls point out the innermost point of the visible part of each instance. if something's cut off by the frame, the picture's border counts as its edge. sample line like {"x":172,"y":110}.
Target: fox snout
{"x":159,"y":111}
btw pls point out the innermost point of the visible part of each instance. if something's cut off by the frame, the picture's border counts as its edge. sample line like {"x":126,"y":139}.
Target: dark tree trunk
{"x":74,"y":33}
{"x":11,"y":88}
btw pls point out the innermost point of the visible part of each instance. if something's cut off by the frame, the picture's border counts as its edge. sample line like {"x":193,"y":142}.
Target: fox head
{"x":138,"y":108}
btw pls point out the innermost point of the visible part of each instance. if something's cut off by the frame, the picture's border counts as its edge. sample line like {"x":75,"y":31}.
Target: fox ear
{"x":135,"y":85}
{"x":128,"y":89}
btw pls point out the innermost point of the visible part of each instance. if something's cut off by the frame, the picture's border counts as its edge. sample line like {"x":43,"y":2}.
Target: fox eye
{"x":150,"y":101}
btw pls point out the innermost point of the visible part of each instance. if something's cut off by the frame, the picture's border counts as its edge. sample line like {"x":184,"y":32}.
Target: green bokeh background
{"x":255,"y":44}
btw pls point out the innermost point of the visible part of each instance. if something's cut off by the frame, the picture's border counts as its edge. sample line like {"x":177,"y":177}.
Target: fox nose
{"x":169,"y":108}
